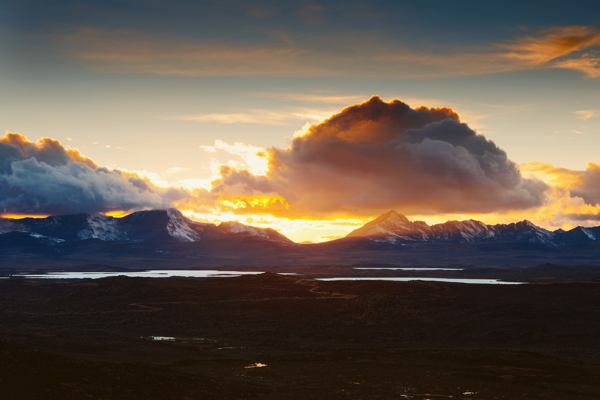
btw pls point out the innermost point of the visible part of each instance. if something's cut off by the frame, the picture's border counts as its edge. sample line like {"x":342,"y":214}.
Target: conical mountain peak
{"x":396,"y":228}
{"x":389,"y":224}
{"x":391,"y":215}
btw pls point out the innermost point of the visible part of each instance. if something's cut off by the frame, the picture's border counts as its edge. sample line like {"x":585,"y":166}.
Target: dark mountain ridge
{"x":395,"y":228}
{"x":143,"y":226}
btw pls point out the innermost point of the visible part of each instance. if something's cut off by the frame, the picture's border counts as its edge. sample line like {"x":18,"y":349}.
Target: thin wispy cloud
{"x":131,"y":51}
{"x":315,"y":98}
{"x":551,"y":48}
{"x":256,"y":117}
{"x":587,"y":114}
{"x":551,"y":44}
{"x":590,"y":67}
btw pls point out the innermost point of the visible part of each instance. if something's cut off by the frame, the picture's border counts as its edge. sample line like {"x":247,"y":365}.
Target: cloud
{"x":317,"y":98}
{"x":576,"y":193}
{"x":254,"y":117}
{"x":552,"y":43}
{"x":584,"y":184}
{"x":255,"y":158}
{"x":46,"y":178}
{"x":588,"y":185}
{"x":587,"y":114}
{"x":376,"y":156}
{"x":584,"y":217}
{"x":588,"y":66}
{"x":343,"y":54}
{"x":131,"y":51}
{"x":558,"y":47}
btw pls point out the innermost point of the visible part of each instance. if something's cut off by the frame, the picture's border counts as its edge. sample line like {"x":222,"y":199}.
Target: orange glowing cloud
{"x":576,"y":194}
{"x":376,"y":156}
{"x":552,"y":44}
{"x":130,"y":51}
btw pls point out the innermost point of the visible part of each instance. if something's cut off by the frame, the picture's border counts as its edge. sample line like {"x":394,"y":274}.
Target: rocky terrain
{"x":278,"y":337}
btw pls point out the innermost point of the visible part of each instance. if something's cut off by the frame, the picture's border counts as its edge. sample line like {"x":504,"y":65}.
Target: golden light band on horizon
{"x":324,"y":167}
{"x":19,"y":216}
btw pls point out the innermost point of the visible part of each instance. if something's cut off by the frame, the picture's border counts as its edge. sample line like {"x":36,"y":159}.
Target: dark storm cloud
{"x":47,"y":178}
{"x":378,"y":156}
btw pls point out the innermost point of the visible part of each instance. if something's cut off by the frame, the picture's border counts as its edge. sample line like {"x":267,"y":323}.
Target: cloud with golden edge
{"x":45,"y":178}
{"x":575,"y":196}
{"x":376,"y":156}
{"x":255,"y":158}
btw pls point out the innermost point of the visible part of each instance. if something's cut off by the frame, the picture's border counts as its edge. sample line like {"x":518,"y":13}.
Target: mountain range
{"x":396,"y":228}
{"x":143,"y":226}
{"x":171,"y":226}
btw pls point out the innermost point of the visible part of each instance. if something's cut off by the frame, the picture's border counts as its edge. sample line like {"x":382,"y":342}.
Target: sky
{"x":307,"y":117}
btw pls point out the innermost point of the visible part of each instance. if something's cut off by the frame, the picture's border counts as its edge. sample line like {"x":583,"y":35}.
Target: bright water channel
{"x":228,"y":274}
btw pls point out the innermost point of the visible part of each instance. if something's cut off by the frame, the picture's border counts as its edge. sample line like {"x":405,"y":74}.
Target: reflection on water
{"x":417,"y":269}
{"x":452,"y":280}
{"x":177,"y":339}
{"x":256,"y":365}
{"x":144,"y":274}
{"x":167,"y":338}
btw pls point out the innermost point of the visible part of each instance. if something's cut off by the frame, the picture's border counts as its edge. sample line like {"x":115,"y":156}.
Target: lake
{"x":451,"y":280}
{"x":143,"y":274}
{"x":228,"y":274}
{"x":416,"y":269}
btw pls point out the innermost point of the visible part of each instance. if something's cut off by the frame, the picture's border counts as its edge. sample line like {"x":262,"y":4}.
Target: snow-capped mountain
{"x":396,"y":228}
{"x":577,"y":235}
{"x":143,"y":226}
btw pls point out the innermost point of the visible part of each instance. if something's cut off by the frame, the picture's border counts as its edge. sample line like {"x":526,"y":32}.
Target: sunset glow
{"x":309,"y":119}
{"x":19,"y":216}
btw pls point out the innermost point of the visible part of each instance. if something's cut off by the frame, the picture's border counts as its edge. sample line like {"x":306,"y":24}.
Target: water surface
{"x":452,"y":280}
{"x":416,"y":269}
{"x":144,"y":274}
{"x":228,"y":274}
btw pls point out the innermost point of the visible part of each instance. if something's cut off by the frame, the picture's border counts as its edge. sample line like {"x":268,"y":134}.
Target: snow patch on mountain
{"x":48,"y":239}
{"x":179,"y":227}
{"x":588,"y":233}
{"x":103,"y":228}
{"x":237,"y":228}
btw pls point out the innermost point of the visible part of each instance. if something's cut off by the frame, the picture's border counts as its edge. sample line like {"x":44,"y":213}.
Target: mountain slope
{"x":143,"y":226}
{"x":396,"y":228}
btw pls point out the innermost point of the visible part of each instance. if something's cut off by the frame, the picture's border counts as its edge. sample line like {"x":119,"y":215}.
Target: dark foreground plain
{"x":280,"y":337}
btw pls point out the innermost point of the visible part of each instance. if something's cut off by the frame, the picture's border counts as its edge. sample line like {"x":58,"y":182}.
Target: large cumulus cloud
{"x":46,"y":178}
{"x":378,"y":156}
